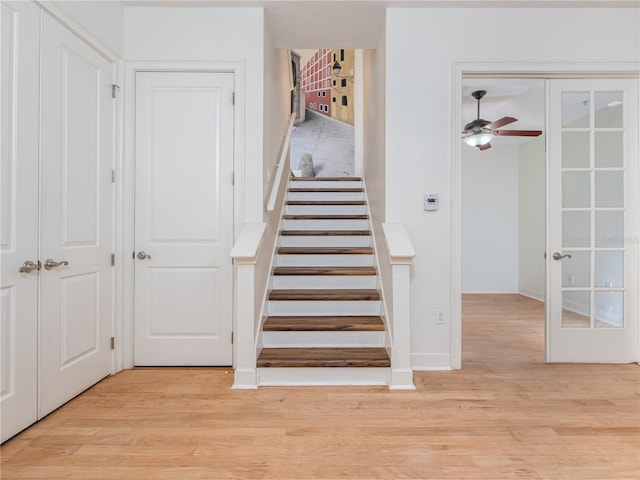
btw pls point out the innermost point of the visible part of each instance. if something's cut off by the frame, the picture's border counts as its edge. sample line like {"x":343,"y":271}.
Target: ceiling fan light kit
{"x":480,"y":132}
{"x":478,"y":137}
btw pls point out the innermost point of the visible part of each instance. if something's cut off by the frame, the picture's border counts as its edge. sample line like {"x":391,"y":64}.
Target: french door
{"x":183,"y":218}
{"x":592,"y":250}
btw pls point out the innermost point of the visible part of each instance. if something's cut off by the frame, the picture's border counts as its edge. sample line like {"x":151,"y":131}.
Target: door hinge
{"x":233,"y":178}
{"x":114,"y":90}
{"x":113,"y":259}
{"x":113,"y":343}
{"x":232,"y":338}
{"x":233,"y":98}
{"x":113,"y":175}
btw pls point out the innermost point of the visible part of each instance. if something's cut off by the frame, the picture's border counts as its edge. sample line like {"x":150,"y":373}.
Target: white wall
{"x":277,"y":113}
{"x":211,"y":35}
{"x":422,"y":46}
{"x":532,"y":205}
{"x":103,"y":19}
{"x":490,"y":219}
{"x":373,"y":131}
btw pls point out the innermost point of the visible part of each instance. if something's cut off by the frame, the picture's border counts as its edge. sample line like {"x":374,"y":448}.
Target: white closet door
{"x":19,"y":219}
{"x":184,"y":218}
{"x":77,"y":151}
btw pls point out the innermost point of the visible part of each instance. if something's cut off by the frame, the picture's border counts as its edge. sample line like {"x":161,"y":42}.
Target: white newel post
{"x":244,"y":254}
{"x":401,"y":254}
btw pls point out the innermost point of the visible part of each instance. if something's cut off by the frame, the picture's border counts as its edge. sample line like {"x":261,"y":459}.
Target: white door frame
{"x":498,"y":70}
{"x":125,"y":170}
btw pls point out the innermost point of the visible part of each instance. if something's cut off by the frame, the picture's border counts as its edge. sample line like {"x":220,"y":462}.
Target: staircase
{"x":324,"y":323}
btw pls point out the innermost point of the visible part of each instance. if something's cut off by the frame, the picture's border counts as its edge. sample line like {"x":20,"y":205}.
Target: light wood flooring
{"x":506,"y":414}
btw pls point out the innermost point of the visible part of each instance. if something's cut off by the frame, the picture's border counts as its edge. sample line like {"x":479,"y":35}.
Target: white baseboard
{"x":431,"y":361}
{"x":531,"y":293}
{"x":245,"y":379}
{"x":488,"y":290}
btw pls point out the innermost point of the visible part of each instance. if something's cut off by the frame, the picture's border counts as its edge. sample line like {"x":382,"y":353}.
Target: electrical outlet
{"x":439,"y":317}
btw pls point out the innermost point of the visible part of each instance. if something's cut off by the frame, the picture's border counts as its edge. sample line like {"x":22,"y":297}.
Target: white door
{"x":592,"y":250}
{"x":77,"y":155}
{"x":183,"y":218}
{"x":19,"y":219}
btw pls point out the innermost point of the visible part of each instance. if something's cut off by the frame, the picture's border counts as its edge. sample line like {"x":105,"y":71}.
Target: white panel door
{"x":592,"y":308}
{"x":19,"y":219}
{"x":77,"y":155}
{"x":183,"y":218}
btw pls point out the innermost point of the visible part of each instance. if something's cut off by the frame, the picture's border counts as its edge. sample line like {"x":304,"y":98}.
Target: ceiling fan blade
{"x":502,"y":122}
{"x":518,"y":133}
{"x":486,"y":146}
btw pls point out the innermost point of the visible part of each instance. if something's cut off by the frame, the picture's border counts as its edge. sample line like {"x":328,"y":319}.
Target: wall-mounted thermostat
{"x":431,"y":202}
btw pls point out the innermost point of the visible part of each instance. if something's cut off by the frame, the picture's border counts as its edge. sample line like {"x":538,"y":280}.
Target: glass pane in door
{"x":609,"y":229}
{"x":593,"y":192}
{"x":608,"y":107}
{"x":576,"y":309}
{"x":575,"y":109}
{"x":609,"y":309}
{"x":609,"y":149}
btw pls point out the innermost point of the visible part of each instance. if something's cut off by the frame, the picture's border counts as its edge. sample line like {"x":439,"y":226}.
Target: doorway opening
{"x":503,"y":218}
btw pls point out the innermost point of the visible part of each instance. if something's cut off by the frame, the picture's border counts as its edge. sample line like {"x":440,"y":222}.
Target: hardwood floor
{"x":506,"y":414}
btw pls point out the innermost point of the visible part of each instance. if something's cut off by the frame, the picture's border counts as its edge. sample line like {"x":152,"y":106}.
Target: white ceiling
{"x":523,"y":99}
{"x":352,"y":23}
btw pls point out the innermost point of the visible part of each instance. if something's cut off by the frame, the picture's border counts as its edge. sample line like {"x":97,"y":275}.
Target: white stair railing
{"x":401,"y":253}
{"x":245,"y":256}
{"x":282,"y":163}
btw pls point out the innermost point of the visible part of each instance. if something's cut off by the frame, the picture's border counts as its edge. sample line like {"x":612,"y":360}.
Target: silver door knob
{"x":142,"y":255}
{"x":29,"y":266}
{"x":49,"y":264}
{"x":559,"y":256}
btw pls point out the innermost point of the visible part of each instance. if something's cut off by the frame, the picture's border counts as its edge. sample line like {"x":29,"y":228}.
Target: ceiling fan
{"x":479,"y":132}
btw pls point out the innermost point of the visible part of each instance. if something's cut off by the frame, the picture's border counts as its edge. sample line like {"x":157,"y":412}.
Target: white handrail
{"x":275,"y":186}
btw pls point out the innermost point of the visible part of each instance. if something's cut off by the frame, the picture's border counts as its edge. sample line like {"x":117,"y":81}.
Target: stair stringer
{"x":388,"y":344}
{"x":258,"y":333}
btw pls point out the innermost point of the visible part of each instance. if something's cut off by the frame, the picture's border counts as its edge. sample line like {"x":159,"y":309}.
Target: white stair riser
{"x":325,"y":225}
{"x":325,"y":196}
{"x":322,"y":339}
{"x":325,"y":241}
{"x":324,"y":260}
{"x":326,"y":209}
{"x":326,"y":307}
{"x":323,"y":376}
{"x":306,"y":282}
{"x":324,"y":184}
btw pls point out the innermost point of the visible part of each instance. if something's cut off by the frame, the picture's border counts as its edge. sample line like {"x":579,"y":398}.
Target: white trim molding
{"x":125,"y":173}
{"x":460,"y":70}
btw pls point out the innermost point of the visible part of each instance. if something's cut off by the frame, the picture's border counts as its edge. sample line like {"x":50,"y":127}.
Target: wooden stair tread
{"x":324,"y":324}
{"x":322,"y":216}
{"x":325,"y":251}
{"x":354,"y":271}
{"x":326,"y":179}
{"x":325,"y":202}
{"x":324,"y":233}
{"x":327,"y":190}
{"x":329,"y":294}
{"x":323,"y":357}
